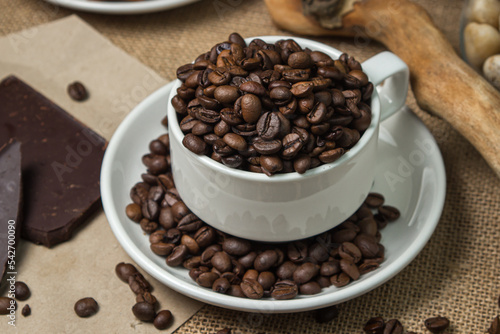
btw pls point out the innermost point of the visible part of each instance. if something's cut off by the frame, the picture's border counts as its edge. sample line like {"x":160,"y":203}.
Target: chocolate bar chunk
{"x":10,"y":204}
{"x":61,"y":162}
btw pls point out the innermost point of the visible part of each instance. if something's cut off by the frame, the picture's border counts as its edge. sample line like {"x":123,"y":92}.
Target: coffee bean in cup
{"x":272,"y":108}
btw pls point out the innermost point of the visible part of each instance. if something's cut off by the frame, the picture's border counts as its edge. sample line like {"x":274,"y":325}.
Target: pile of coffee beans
{"x":247,"y":269}
{"x":146,"y":303}
{"x":272,"y":108}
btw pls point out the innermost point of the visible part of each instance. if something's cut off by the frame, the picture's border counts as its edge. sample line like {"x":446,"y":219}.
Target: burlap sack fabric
{"x":457,"y":275}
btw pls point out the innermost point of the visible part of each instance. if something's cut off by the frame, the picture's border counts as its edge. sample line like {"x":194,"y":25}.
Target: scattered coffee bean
{"x":232,"y":98}
{"x":495,"y":326}
{"x":6,"y":304}
{"x":393,"y":326}
{"x":326,"y":314}
{"x":375,"y":325}
{"x":144,"y":311}
{"x":26,"y":311}
{"x":22,"y":291}
{"x":437,"y":324}
{"x":86,"y":307}
{"x":163,"y":319}
{"x":77,"y":91}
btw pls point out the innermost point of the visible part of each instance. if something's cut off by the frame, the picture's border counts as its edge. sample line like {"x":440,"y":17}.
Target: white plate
{"x":122,"y":7}
{"x":410,"y":173}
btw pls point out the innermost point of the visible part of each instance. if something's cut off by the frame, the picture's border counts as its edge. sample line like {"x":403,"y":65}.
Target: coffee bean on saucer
{"x":437,"y":324}
{"x":22,"y":291}
{"x":144,"y":311}
{"x":86,"y":307}
{"x":26,"y":311}
{"x":163,"y":319}
{"x":77,"y":91}
{"x":326,"y":314}
{"x":252,"y":289}
{"x":389,"y":212}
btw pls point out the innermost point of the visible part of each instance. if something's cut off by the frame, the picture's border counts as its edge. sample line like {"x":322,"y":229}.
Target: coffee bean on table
{"x":77,"y":91}
{"x":26,"y":311}
{"x":163,"y":319}
{"x":495,"y":326}
{"x":86,"y":307}
{"x":374,"y":325}
{"x":393,"y":326}
{"x":144,"y":311}
{"x":437,"y":324}
{"x":5,"y":305}
{"x":22,"y":291}
{"x":326,"y":314}
{"x":124,"y":271}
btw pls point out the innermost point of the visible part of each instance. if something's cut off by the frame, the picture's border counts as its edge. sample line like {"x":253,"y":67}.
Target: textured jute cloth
{"x":457,"y":275}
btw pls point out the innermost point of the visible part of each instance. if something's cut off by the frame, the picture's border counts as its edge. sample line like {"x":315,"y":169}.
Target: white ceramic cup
{"x":289,"y":206}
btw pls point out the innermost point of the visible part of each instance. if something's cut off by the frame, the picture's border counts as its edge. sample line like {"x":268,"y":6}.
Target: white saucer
{"x":410,"y":174}
{"x":122,"y":7}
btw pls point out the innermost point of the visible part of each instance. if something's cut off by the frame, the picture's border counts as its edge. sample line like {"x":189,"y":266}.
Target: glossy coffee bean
{"x":144,"y":311}
{"x":86,"y":307}
{"x":285,"y":289}
{"x":252,"y":289}
{"x":6,"y":305}
{"x":325,"y":315}
{"x":163,"y":320}
{"x":124,"y":271}
{"x":437,"y":324}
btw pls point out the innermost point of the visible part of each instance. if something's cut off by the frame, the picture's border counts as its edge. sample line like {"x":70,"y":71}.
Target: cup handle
{"x":389,"y":67}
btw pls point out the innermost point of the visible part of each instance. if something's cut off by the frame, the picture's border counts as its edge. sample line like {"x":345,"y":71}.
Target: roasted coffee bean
{"x":271,"y":164}
{"x":124,"y":271}
{"x":207,"y":279}
{"x":267,"y":280}
{"x":189,"y":223}
{"x":173,"y":236}
{"x":286,"y":270}
{"x":253,"y":87}
{"x":163,"y":319}
{"x":331,"y":155}
{"x":226,"y":94}
{"x":267,"y":147}
{"x":330,"y":268}
{"x":389,"y":212}
{"x":77,"y":91}
{"x":305,"y":272}
{"x":144,"y":312}
{"x":252,"y":289}
{"x":236,"y":291}
{"x":221,"y":261}
{"x":367,"y":244}
{"x":265,"y":260}
{"x":194,"y":143}
{"x":162,"y":248}
{"x":26,"y":311}
{"x":300,"y":60}
{"x":310,"y":288}
{"x":235,"y":141}
{"x":367,"y":266}
{"x":325,"y":315}
{"x":318,"y":114}
{"x":236,"y":246}
{"x":280,"y":95}
{"x":292,"y":144}
{"x":231,"y":116}
{"x":138,"y":283}
{"x":350,"y":251}
{"x":178,"y":255}
{"x":134,"y":212}
{"x":340,"y":280}
{"x":147,"y":297}
{"x":221,"y":285}
{"x":251,"y":274}
{"x":437,"y":324}
{"x":495,"y":326}
{"x":6,"y":304}
{"x":297,"y":251}
{"x":349,"y":268}
{"x":285,"y":289}
{"x":302,"y":89}
{"x":150,"y":209}
{"x":86,"y":307}
{"x":374,"y":325}
{"x":318,"y":252}
{"x":393,"y":326}
{"x":368,"y":226}
{"x":248,"y":260}
{"x":205,"y":236}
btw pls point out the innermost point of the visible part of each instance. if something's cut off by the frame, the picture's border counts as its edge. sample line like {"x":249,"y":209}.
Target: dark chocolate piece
{"x":10,"y":204}
{"x":61,"y":162}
